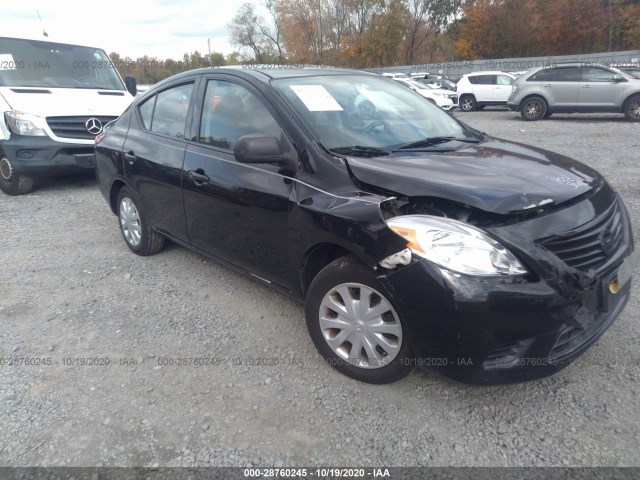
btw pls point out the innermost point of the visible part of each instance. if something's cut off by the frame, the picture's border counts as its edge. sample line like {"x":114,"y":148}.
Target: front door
{"x":236,"y":212}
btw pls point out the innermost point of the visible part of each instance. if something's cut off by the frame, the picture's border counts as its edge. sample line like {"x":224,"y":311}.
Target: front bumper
{"x":45,"y":156}
{"x":489,"y":331}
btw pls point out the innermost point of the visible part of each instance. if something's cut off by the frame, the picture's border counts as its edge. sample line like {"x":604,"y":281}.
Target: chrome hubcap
{"x":532,"y":109}
{"x":5,"y":169}
{"x":360,"y":325}
{"x":130,"y":222}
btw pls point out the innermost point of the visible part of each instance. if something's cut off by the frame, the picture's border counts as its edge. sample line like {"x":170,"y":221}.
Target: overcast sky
{"x":160,"y":28}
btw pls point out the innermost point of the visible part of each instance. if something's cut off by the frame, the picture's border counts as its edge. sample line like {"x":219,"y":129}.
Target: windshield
{"x":30,"y":63}
{"x":366,"y":111}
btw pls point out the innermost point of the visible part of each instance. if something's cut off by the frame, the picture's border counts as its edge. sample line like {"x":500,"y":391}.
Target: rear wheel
{"x":13,"y":183}
{"x":467,"y":103}
{"x":137,"y":233}
{"x":632,"y":109}
{"x":354,"y":324}
{"x":533,"y":108}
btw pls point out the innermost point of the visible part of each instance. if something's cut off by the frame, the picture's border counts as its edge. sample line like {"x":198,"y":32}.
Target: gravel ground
{"x":72,"y":290}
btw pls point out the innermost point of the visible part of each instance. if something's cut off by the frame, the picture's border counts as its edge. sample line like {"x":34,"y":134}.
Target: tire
{"x":137,"y":233}
{"x":533,"y":108}
{"x":348,"y":277}
{"x":13,"y":183}
{"x":468,"y":103}
{"x":632,"y":109}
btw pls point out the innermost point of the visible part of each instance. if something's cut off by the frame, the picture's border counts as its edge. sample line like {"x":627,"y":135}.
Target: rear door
{"x":598,"y":90}
{"x":236,"y":212}
{"x":559,"y":86}
{"x":154,"y":152}
{"x":483,"y":86}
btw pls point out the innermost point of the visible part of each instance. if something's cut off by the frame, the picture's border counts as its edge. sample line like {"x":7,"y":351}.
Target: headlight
{"x":25,"y":124}
{"x":455,"y":245}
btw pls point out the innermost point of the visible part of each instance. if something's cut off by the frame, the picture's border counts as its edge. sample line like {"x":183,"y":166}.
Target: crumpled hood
{"x":65,"y":101}
{"x":495,"y":175}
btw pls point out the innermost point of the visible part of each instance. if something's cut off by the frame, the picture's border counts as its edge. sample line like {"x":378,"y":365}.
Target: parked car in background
{"x":411,"y":238}
{"x":55,"y":98}
{"x":443,"y":98}
{"x":442,"y":83}
{"x":395,"y":75}
{"x":634,"y":71}
{"x":479,"y":89}
{"x":575,"y":88}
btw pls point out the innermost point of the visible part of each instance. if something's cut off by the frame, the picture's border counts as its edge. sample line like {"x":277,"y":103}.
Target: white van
{"x":54,"y":99}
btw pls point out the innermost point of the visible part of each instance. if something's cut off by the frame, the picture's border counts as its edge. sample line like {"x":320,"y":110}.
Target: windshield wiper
{"x":360,"y":151}
{"x":429,"y":141}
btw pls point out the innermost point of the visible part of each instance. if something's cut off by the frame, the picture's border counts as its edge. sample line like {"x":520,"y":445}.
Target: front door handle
{"x":198,"y":176}
{"x":586,"y":86}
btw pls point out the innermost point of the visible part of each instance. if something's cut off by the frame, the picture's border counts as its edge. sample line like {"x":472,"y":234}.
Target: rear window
{"x":545,"y":75}
{"x":483,"y":79}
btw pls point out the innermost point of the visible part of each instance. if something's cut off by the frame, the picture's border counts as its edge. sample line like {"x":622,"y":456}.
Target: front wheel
{"x":13,"y":183}
{"x":534,"y":108}
{"x":137,"y":233}
{"x":355,"y":325}
{"x":632,"y":109}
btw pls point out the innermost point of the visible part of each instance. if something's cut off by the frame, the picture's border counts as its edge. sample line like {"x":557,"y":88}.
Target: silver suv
{"x":575,"y":87}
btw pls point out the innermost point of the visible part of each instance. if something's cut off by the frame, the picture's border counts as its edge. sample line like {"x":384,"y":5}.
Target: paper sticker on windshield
{"x":316,"y":98}
{"x":6,"y":62}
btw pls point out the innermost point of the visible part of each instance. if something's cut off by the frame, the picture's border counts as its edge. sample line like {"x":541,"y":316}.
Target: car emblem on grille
{"x":607,"y":241}
{"x":94,"y":126}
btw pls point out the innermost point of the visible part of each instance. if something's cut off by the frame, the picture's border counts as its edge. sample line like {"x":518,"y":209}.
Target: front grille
{"x":590,"y":246}
{"x":74,"y":127}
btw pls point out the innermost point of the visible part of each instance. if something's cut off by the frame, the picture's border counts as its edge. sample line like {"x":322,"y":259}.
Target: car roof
{"x":487,"y":72}
{"x":265,"y":73}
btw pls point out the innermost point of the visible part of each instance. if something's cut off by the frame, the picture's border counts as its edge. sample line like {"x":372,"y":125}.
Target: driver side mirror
{"x":618,"y":78}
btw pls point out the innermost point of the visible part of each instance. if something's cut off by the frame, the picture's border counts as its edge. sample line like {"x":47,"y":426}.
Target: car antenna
{"x":44,"y":32}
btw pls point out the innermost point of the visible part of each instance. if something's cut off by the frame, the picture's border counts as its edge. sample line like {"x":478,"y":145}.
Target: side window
{"x":146,"y":112}
{"x":504,"y":80}
{"x":569,"y":74}
{"x":230,"y":111}
{"x":595,"y":74}
{"x":170,"y":113}
{"x":484,"y":79}
{"x":544,"y":75}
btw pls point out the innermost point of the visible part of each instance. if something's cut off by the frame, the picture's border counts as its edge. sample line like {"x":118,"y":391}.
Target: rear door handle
{"x":198,"y":176}
{"x":130,"y":157}
{"x":586,"y":86}
{"x":548,"y":84}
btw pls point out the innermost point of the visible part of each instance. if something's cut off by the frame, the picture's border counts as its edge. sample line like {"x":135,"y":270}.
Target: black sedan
{"x":412,"y":238}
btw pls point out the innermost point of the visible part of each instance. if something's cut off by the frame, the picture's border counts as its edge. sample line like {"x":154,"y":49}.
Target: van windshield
{"x":32,"y":63}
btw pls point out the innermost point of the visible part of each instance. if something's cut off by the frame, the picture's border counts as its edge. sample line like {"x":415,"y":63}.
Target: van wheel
{"x":533,"y":108}
{"x":467,"y":103}
{"x":354,"y":324}
{"x":13,"y":183}
{"x":632,"y":109}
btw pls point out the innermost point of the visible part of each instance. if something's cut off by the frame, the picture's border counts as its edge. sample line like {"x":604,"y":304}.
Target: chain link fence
{"x":456,"y":69}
